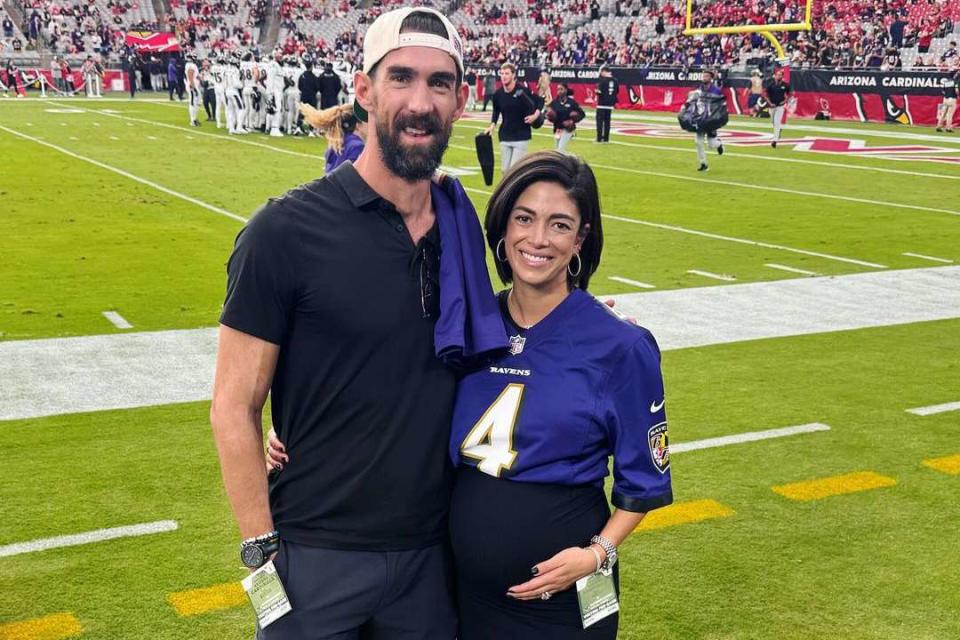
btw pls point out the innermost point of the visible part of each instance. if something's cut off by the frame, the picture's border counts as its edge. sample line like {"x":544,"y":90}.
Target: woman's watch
{"x":254,"y":552}
{"x":610,"y":549}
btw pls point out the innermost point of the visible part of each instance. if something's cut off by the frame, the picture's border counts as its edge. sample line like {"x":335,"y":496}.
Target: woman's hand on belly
{"x":556,"y":574}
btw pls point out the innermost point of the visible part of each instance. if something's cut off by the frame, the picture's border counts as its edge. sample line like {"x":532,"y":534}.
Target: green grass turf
{"x":879,"y":564}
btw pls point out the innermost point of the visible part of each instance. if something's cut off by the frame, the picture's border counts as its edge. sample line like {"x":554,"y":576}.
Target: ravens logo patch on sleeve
{"x":659,"y":446}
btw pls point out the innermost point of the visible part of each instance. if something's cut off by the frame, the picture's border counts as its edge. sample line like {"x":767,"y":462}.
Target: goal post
{"x":766,"y":30}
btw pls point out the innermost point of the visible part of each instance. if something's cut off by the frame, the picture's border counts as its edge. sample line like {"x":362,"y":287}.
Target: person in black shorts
{"x":332,"y":308}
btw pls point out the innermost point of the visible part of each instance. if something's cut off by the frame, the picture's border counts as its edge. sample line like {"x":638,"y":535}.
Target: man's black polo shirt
{"x":329,"y":272}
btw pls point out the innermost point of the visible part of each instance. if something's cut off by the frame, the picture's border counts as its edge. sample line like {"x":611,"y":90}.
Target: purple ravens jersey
{"x":579,"y":386}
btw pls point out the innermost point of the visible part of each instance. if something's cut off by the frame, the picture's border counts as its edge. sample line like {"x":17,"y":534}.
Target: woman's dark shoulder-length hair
{"x":574,"y":175}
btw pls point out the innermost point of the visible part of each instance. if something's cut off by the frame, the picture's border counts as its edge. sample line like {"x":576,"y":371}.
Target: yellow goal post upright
{"x":766,"y":30}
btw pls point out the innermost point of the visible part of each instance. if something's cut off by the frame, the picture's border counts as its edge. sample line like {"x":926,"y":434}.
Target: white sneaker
{"x":275,"y":133}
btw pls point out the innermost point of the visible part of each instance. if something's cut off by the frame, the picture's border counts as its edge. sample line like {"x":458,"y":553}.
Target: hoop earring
{"x":496,"y":251}
{"x":579,"y":266}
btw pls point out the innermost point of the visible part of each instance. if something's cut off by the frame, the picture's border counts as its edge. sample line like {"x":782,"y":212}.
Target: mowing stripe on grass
{"x":52,"y":627}
{"x":117,"y":320}
{"x":88,"y":537}
{"x":225,"y":137}
{"x":821,"y":488}
{"x":749,"y":436}
{"x":683,"y":513}
{"x":931,"y":258}
{"x":946,"y":464}
{"x":783,"y":267}
{"x":715,"y":276}
{"x":935,"y":408}
{"x":216,"y":598}
{"x":632,"y":283}
{"x":126,"y":174}
{"x":795,"y":192}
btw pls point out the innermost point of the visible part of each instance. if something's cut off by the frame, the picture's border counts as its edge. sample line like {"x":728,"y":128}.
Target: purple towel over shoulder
{"x":470,"y":324}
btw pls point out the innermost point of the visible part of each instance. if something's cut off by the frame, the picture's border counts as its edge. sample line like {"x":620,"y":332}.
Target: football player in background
{"x":248,"y":74}
{"x":236,"y":113}
{"x":291,"y":95}
{"x":218,"y":72}
{"x":274,"y":92}
{"x":192,"y":76}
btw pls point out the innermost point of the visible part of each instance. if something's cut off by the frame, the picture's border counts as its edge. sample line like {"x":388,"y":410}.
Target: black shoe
{"x":703,"y":167}
{"x":940,"y":129}
{"x":720,"y":150}
{"x":949,"y":130}
{"x":774,"y":144}
{"x":196,"y":123}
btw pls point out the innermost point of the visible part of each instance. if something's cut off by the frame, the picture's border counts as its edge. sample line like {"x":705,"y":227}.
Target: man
{"x":206,"y":87}
{"x":291,"y":95}
{"x":776,"y":91}
{"x":233,"y":94}
{"x":707,"y":97}
{"x":218,"y":71}
{"x":471,"y":79}
{"x":756,"y":92}
{"x":358,"y":395}
{"x":564,"y":113}
{"x":949,"y":105}
{"x":489,"y":88}
{"x":56,"y":73}
{"x":274,"y":92}
{"x":249,"y":74}
{"x":192,"y":73}
{"x":607,"y":90}
{"x":518,"y":107}
{"x":330,"y":86}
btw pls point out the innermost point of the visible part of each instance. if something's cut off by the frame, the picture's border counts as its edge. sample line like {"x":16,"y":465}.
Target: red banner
{"x":152,"y":42}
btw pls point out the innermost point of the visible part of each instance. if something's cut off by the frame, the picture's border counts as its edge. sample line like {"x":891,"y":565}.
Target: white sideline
{"x":749,"y":436}
{"x":126,"y":174}
{"x":97,"y":535}
{"x":935,"y":408}
{"x":120,"y":370}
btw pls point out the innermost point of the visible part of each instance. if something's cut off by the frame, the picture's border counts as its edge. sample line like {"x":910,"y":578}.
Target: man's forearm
{"x":240,"y":446}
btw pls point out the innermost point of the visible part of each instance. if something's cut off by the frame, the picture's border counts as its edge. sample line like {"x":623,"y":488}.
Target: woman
{"x":564,"y":113}
{"x":343,"y":132}
{"x":518,"y":107}
{"x":533,"y":429}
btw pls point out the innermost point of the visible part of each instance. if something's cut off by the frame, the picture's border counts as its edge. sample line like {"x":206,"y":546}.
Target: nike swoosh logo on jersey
{"x":654,"y":407}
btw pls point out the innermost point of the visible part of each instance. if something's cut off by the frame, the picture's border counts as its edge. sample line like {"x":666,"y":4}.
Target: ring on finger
{"x":546,"y":595}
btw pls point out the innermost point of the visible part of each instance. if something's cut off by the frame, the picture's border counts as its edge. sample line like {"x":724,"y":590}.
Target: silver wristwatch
{"x":610,"y":549}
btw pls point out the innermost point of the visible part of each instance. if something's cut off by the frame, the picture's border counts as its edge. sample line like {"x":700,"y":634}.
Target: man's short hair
{"x":509,"y":65}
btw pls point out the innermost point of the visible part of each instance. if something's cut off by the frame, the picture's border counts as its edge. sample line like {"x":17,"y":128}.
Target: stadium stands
{"x":217,"y":25}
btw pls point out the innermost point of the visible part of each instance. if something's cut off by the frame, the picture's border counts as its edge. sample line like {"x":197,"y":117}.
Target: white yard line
{"x":715,"y":276}
{"x":931,"y":258}
{"x":117,"y":320}
{"x":795,"y":192}
{"x":783,"y":267}
{"x":716,"y":236}
{"x":129,"y":175}
{"x":935,"y":408}
{"x":750,"y":436}
{"x":88,"y":537}
{"x":765,"y":245}
{"x":632,"y":283}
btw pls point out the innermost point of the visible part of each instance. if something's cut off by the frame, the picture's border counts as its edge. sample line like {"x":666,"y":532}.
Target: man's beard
{"x":413,"y":162}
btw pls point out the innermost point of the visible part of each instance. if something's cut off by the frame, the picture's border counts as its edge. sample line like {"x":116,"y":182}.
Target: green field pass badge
{"x":266,"y":593}
{"x":598,"y":598}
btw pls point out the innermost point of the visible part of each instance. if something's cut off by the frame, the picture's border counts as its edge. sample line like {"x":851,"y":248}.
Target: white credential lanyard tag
{"x":598,"y":598}
{"x":267,"y":595}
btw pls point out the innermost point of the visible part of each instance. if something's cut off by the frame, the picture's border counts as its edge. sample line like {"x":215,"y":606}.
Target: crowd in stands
{"x":217,"y":25}
{"x":882,"y":34}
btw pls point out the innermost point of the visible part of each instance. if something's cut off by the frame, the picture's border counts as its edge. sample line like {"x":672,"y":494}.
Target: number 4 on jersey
{"x":491,"y":439}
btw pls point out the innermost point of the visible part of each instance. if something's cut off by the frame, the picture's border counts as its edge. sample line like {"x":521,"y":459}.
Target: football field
{"x":806,"y":298}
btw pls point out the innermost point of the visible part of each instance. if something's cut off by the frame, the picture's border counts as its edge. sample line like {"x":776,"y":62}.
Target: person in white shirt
{"x":192,"y":79}
{"x":236,"y":113}
{"x":249,"y":75}
{"x":218,"y":70}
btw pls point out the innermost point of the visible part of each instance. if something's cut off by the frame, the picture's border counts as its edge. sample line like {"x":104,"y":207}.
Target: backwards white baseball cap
{"x":384,"y":36}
